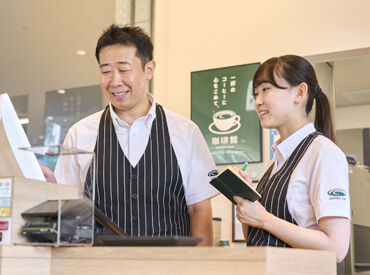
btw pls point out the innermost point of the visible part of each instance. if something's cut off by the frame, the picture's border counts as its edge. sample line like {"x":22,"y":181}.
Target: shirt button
{"x":134,"y":196}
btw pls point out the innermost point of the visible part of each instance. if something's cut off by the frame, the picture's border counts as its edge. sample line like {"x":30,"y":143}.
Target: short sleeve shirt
{"x":319,"y":185}
{"x":193,"y":156}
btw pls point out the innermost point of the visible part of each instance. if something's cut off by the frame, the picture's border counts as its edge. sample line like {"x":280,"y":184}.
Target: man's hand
{"x":201,"y":221}
{"x":49,"y":174}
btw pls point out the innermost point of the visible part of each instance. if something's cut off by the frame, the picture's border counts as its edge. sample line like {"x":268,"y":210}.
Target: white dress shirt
{"x":322,"y":170}
{"x":193,"y":156}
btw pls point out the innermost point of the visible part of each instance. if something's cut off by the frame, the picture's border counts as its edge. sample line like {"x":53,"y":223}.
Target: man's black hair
{"x":127,"y":36}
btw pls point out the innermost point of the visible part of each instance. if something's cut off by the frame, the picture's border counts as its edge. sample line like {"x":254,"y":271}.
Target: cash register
{"x":77,"y":226}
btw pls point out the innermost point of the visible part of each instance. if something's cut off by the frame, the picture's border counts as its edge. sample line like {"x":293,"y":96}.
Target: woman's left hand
{"x":251,"y":213}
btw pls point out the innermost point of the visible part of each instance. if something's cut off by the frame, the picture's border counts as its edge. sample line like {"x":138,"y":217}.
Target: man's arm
{"x":201,"y":221}
{"x":49,"y":174}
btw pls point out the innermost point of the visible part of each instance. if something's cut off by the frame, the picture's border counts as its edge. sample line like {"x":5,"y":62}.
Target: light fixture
{"x":358,"y":95}
{"x":24,"y":120}
{"x":80,"y":52}
{"x":62,"y":92}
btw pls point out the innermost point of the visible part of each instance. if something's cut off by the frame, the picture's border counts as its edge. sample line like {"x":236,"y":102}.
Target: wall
{"x":195,"y":35}
{"x":352,"y":117}
{"x":350,"y":142}
{"x":324,"y":73}
{"x":209,"y":34}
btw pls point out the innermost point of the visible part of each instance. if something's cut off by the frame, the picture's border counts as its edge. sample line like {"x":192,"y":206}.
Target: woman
{"x":305,"y":200}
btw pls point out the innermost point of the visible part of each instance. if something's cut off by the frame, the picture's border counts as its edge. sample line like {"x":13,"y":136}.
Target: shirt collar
{"x":287,"y":146}
{"x":147,"y":119}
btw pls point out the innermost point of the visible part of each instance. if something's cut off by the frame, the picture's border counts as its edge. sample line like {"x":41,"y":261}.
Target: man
{"x":151,"y":164}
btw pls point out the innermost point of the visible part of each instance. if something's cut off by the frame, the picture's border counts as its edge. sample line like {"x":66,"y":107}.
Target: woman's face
{"x":276,"y":107}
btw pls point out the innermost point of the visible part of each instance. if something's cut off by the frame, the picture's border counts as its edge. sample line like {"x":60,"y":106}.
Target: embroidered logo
{"x":337,"y":194}
{"x":213,"y":173}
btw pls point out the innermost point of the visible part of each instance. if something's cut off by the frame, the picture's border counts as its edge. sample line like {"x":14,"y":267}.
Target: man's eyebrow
{"x":123,"y":63}
{"x":119,"y":62}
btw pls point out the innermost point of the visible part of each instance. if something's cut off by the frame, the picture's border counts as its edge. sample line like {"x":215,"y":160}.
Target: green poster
{"x":222,"y":105}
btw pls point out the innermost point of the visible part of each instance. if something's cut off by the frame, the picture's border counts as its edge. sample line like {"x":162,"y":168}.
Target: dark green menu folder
{"x":230,"y":183}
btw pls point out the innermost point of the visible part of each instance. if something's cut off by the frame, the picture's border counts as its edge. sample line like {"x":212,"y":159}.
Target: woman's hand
{"x":244,"y":175}
{"x":251,"y":213}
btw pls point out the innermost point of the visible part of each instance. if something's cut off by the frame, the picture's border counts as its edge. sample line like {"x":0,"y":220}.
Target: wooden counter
{"x":43,"y":260}
{"x":164,"y":260}
{"x":25,"y":260}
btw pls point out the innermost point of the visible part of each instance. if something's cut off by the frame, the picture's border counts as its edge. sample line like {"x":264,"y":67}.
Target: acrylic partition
{"x":61,"y":220}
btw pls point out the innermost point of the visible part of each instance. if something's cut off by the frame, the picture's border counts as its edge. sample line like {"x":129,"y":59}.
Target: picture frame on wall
{"x":222,"y":105}
{"x":237,"y":227}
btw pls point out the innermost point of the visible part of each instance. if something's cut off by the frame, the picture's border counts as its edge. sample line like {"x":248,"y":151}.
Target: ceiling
{"x":39,"y":44}
{"x":40,"y":40}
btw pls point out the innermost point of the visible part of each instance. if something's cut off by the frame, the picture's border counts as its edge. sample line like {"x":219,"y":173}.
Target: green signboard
{"x":222,"y":105}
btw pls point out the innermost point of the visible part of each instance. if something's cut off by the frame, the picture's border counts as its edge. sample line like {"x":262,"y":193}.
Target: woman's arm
{"x":333,"y":233}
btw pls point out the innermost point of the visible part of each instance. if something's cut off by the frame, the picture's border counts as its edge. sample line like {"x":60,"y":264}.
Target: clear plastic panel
{"x":62,"y":219}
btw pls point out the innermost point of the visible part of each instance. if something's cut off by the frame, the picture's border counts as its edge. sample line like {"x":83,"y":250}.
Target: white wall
{"x":352,"y":117}
{"x":193,"y":35}
{"x":196,"y":35}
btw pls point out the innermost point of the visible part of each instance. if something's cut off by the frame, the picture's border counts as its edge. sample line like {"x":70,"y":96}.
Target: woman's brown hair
{"x":295,"y":70}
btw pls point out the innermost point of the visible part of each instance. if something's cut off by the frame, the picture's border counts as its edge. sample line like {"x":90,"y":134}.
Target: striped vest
{"x":145,"y":200}
{"x":274,"y":191}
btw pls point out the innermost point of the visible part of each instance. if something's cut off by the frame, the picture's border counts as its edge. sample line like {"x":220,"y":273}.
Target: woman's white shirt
{"x":319,"y":185}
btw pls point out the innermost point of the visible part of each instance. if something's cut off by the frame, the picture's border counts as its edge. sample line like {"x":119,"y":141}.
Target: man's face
{"x":122,"y":78}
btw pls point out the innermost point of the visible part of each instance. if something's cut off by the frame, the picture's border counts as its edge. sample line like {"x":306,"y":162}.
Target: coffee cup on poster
{"x":225,"y":119}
